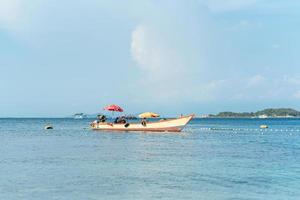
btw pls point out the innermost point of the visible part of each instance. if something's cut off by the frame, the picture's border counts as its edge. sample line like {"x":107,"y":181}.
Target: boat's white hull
{"x":170,"y":125}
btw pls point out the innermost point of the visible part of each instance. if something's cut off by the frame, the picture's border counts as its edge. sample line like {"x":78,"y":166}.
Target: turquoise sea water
{"x":211,"y":159}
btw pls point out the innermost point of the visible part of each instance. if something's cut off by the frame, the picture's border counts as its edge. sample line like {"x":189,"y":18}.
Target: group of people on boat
{"x":117,"y":120}
{"x":121,"y":122}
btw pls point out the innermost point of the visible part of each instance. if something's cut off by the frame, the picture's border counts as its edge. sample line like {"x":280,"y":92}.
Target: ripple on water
{"x":210,"y":159}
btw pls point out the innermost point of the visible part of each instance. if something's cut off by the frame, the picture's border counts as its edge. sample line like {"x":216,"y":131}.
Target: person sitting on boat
{"x":101,"y":118}
{"x":117,"y":120}
{"x":120,"y":120}
{"x":144,"y":121}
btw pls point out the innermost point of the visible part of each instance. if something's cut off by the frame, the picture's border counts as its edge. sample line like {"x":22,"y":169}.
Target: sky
{"x":59,"y":57}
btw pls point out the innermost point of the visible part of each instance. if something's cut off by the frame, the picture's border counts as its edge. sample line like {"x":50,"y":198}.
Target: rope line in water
{"x":249,"y":129}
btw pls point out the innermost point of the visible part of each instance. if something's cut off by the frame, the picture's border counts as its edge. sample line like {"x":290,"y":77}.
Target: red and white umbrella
{"x":113,"y":108}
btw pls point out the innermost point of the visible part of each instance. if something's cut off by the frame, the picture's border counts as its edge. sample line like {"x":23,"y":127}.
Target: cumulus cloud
{"x":184,"y":55}
{"x":181,"y":49}
{"x":156,"y":60}
{"x":160,"y":67}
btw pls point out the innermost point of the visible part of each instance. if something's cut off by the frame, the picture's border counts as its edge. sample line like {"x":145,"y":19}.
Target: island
{"x":266,"y":113}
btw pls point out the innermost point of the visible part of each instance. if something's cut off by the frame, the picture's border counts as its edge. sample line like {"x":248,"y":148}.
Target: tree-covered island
{"x":270,"y":112}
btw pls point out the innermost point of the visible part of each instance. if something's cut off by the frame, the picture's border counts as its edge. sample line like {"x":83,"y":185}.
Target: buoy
{"x":263,"y":126}
{"x":47,"y":127}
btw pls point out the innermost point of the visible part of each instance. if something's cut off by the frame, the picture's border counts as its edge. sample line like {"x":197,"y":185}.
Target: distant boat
{"x":263,"y":116}
{"x":79,"y":116}
{"x":168,"y":125}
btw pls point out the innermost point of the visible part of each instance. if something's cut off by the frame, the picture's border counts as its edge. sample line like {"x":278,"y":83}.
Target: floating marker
{"x":48,"y":127}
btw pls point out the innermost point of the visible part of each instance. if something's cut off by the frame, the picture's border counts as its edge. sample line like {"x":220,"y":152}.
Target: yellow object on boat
{"x":148,"y":115}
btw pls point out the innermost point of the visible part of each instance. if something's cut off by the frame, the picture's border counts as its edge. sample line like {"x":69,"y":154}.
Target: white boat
{"x":168,"y":125}
{"x":79,"y":116}
{"x":263,"y":116}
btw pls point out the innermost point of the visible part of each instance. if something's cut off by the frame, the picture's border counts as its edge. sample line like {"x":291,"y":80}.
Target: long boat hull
{"x":169,"y":125}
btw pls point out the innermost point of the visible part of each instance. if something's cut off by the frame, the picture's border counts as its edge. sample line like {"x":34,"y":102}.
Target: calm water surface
{"x":211,"y":159}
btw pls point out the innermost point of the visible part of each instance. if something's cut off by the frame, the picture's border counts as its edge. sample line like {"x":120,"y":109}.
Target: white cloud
{"x":152,"y":54}
{"x":180,"y":51}
{"x":160,"y":68}
{"x":163,"y":75}
{"x":260,"y":87}
{"x":169,"y":50}
{"x":253,"y":88}
{"x":10,"y":13}
{"x":196,"y":70}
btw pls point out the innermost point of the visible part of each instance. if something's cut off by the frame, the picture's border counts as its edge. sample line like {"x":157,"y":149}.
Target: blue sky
{"x":58,"y":57}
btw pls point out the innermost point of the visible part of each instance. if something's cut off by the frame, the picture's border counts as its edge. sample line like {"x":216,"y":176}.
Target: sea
{"x":211,"y":159}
